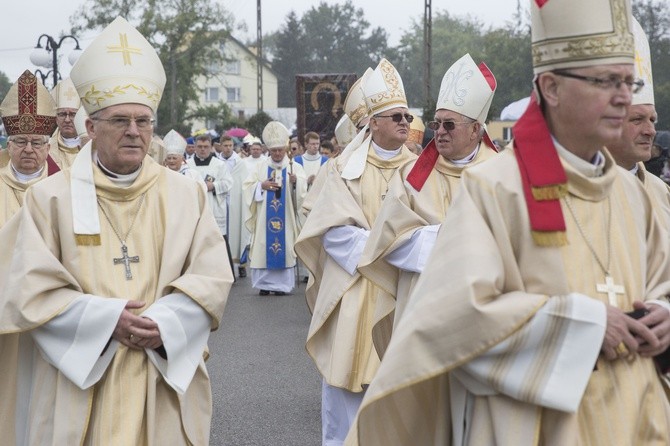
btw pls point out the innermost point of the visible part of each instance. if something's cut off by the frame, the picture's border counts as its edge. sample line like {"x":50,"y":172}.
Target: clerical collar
{"x":25,"y":177}
{"x":308,"y":157}
{"x":117,"y":178}
{"x":383,"y":153}
{"x":72,"y":142}
{"x":635,"y":169}
{"x":591,"y":169}
{"x":467,"y":159}
{"x":203,"y":162}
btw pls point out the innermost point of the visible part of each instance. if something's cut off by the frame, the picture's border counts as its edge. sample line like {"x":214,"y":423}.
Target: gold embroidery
{"x":276,"y":246}
{"x":95,"y":96}
{"x":124,"y":49}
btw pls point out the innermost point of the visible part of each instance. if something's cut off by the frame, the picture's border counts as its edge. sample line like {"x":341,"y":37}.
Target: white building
{"x":234,"y":82}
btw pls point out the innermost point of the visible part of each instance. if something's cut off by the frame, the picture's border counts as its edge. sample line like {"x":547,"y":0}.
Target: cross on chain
{"x":126,"y":260}
{"x":610,"y":289}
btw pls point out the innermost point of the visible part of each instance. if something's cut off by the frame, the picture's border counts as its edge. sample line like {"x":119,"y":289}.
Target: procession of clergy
{"x":458,"y":297}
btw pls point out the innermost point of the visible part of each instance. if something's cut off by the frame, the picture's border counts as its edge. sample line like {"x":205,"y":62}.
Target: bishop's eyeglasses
{"x":606,"y":83}
{"x":397,"y":117}
{"x":122,"y":122}
{"x":22,"y":143}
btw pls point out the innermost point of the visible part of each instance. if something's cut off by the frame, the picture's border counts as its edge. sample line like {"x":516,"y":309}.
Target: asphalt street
{"x":265,"y":387}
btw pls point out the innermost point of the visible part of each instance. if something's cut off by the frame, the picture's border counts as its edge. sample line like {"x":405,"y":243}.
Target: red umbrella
{"x":237,"y":132}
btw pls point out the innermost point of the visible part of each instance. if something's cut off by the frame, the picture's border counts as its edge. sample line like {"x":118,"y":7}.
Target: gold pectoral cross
{"x":126,"y":260}
{"x":611,"y":289}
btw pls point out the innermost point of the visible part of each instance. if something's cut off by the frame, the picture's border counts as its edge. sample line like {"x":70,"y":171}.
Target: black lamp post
{"x":40,"y":55}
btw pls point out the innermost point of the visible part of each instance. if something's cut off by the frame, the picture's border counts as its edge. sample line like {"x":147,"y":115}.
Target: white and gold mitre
{"x":416,"y":130}
{"x":65,"y":94}
{"x":643,"y":66}
{"x":80,"y":122}
{"x":383,"y":89}
{"x":580,"y":33}
{"x":275,"y":135}
{"x":467,"y":89}
{"x":119,"y":67}
{"x":174,"y":143}
{"x":354,"y":103}
{"x":345,"y":130}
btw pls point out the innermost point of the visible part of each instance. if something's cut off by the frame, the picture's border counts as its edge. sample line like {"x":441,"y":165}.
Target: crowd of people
{"x":462,"y":292}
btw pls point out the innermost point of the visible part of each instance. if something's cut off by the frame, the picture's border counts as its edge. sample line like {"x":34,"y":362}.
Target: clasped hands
{"x":269,"y":184}
{"x":136,"y":332}
{"x":648,"y":336}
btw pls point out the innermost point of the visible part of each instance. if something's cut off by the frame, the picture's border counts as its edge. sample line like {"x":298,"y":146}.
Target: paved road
{"x":265,"y":387}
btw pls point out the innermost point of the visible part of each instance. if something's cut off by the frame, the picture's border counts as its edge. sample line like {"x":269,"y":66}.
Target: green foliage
{"x":187,"y":36}
{"x":326,"y":39}
{"x":256,"y":123}
{"x":5,"y":84}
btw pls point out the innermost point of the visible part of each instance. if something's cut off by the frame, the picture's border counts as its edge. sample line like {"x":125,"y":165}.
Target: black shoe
{"x":279,"y":293}
{"x":242,"y":271}
{"x":263,"y":292}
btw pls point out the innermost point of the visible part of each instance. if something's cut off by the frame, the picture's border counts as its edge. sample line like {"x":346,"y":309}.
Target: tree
{"x":187,"y":35}
{"x":326,"y":39}
{"x":5,"y":84}
{"x":256,"y":123}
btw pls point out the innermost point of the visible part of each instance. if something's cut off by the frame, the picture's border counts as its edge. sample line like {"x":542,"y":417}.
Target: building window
{"x":233,"y":94}
{"x":233,"y":67}
{"x":212,"y":94}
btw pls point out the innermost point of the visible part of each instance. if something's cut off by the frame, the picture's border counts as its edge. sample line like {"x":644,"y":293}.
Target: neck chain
{"x":387,"y":180}
{"x":609,"y":287}
{"x":125,"y":259}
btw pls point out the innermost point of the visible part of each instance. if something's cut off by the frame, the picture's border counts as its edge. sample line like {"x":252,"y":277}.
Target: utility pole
{"x":259,"y":58}
{"x":427,"y":49}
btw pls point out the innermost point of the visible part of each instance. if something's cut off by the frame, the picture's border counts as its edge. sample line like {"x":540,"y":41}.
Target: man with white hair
{"x":539,"y":314}
{"x":344,"y":304}
{"x":404,"y":233}
{"x":273,"y":192}
{"x":113,"y":320}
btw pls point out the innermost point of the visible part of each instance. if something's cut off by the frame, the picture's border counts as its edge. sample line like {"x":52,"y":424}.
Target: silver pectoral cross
{"x":610,"y":289}
{"x":126,"y":260}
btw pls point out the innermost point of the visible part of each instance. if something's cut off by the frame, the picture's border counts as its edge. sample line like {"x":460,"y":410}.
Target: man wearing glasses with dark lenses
{"x":344,"y":304}
{"x":419,"y":203}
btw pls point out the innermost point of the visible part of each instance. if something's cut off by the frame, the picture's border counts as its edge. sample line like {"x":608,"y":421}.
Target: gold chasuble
{"x":659,"y":192}
{"x":405,"y":210}
{"x":500,"y":341}
{"x":12,"y":192}
{"x":177,"y":241}
{"x":63,"y":155}
{"x":344,"y":307}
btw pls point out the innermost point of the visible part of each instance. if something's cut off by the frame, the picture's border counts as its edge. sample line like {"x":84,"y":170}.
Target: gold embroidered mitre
{"x":416,"y":130}
{"x":174,"y":143}
{"x":354,"y":103}
{"x":28,"y":108}
{"x":275,"y":135}
{"x":383,"y":89}
{"x":119,"y":67}
{"x":579,"y":33}
{"x":80,"y":122}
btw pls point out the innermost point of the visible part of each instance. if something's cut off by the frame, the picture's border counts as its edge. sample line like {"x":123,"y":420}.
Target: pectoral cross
{"x":126,"y":260}
{"x":610,"y":289}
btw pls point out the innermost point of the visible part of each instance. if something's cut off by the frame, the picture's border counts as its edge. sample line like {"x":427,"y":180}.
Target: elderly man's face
{"x":386,"y":132}
{"x":637,"y":137}
{"x":65,"y":122}
{"x":461,"y":141}
{"x":174,"y":161}
{"x":121,"y":136}
{"x":277,"y":154}
{"x":28,"y":153}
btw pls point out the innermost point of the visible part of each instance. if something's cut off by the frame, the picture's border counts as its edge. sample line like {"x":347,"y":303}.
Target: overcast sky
{"x":21,"y":26}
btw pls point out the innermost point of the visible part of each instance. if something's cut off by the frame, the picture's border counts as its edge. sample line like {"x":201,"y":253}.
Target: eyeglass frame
{"x":65,"y":115}
{"x":27,"y":141}
{"x":408,"y":117}
{"x":435,"y":125}
{"x":123,"y":122}
{"x":634,"y":86}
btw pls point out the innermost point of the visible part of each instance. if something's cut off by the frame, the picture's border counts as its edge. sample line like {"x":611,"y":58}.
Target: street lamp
{"x":47,"y":57}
